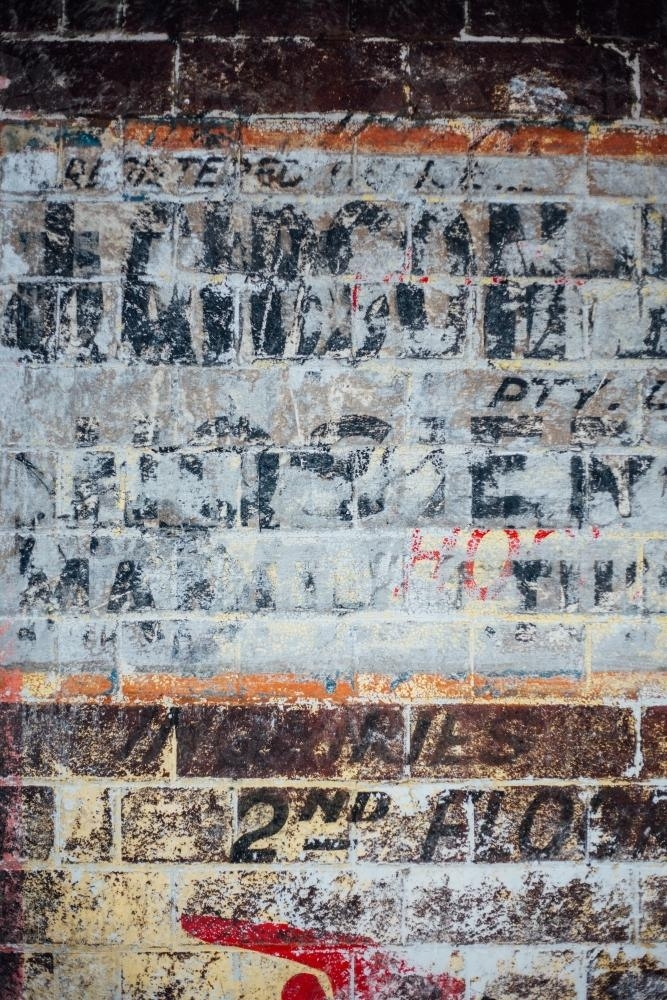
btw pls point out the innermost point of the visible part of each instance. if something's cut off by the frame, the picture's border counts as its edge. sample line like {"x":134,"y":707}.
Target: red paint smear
{"x":542,"y":533}
{"x":424,"y":280}
{"x":513,"y":547}
{"x":355,"y":297}
{"x":596,"y":532}
{"x":333,"y":955}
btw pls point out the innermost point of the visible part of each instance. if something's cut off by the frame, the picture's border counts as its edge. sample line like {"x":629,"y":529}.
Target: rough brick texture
{"x":333,"y":380}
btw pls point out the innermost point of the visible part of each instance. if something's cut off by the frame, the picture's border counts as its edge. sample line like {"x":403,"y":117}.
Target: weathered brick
{"x":537,"y":407}
{"x":654,"y":742}
{"x":407,"y":18}
{"x":539,"y":823}
{"x":26,"y":823}
{"x":29,"y":644}
{"x":627,"y":321}
{"x":506,"y":649}
{"x":493,"y":175}
{"x":653,"y":75}
{"x":189,"y":490}
{"x":552,"y":18}
{"x":332,"y":902}
{"x":403,"y":175}
{"x":28,"y":486}
{"x":92,"y":15}
{"x":38,"y":15}
{"x":507,"y":80}
{"x":514,"y":904}
{"x":257,"y":76}
{"x":522,"y":973}
{"x":316,"y":172}
{"x":294,"y":17}
{"x":421,"y":825}
{"x":654,"y":225}
{"x":73,"y":974}
{"x":85,"y":824}
{"x":86,"y":77}
{"x":629,"y":971}
{"x":95,"y":740}
{"x":176,"y":824}
{"x":628,"y":645}
{"x":200,"y":648}
{"x":412,"y":320}
{"x":647,"y":20}
{"x":256,"y":742}
{"x":287,"y":645}
{"x":176,"y":17}
{"x":89,"y":407}
{"x":12,"y":975}
{"x":469,"y":741}
{"x":311,"y":824}
{"x":653,"y":906}
{"x":655,"y":584}
{"x":628,"y":823}
{"x":539,"y":320}
{"x":154,"y":973}
{"x":93,"y":908}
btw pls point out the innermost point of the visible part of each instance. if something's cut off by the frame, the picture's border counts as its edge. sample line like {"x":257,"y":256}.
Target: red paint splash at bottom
{"x":377,"y":974}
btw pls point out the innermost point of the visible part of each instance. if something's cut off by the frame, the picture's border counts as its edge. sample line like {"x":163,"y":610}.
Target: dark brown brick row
{"x":35,"y":15}
{"x":653,"y":81}
{"x":645,"y":19}
{"x":543,"y":18}
{"x":310,"y":18}
{"x":292,"y":741}
{"x":555,"y":741}
{"x":407,"y":18}
{"x":516,"y":78}
{"x":96,"y":15}
{"x":95,"y":740}
{"x":654,"y":742}
{"x":254,"y":75}
{"x":87,"y":77}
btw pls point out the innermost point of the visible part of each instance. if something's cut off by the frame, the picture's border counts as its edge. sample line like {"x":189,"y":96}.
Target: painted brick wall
{"x":333,"y":345}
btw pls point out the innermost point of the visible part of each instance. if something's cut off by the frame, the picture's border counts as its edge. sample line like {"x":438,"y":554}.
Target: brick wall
{"x":332,"y":519}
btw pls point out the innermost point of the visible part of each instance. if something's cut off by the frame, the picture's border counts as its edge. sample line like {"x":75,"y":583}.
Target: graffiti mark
{"x":326,"y":963}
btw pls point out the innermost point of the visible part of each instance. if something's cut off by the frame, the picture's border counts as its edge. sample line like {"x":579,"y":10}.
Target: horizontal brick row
{"x":258,"y":75}
{"x":276,"y":824}
{"x":334,"y":653}
{"x":99,"y":164}
{"x":491,"y":971}
{"x":236,"y":321}
{"x":524,"y":238}
{"x":365,"y":742}
{"x":455,"y":904}
{"x":400,"y":18}
{"x":152,"y":412}
{"x":343,"y":487}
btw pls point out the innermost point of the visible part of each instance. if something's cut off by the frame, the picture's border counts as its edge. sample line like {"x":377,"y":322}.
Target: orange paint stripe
{"x":402,"y":137}
{"x":181,"y":135}
{"x":625,"y":142}
{"x":289,"y":135}
{"x":367,"y":687}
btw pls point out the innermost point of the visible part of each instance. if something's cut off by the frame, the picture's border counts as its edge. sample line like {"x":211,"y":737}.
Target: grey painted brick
{"x":201,"y":648}
{"x":410,"y":176}
{"x":319,"y":173}
{"x":494,"y":175}
{"x":526,"y":647}
{"x":627,"y":321}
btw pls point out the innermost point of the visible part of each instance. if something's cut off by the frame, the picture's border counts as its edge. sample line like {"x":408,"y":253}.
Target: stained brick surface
{"x":332,"y":474}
